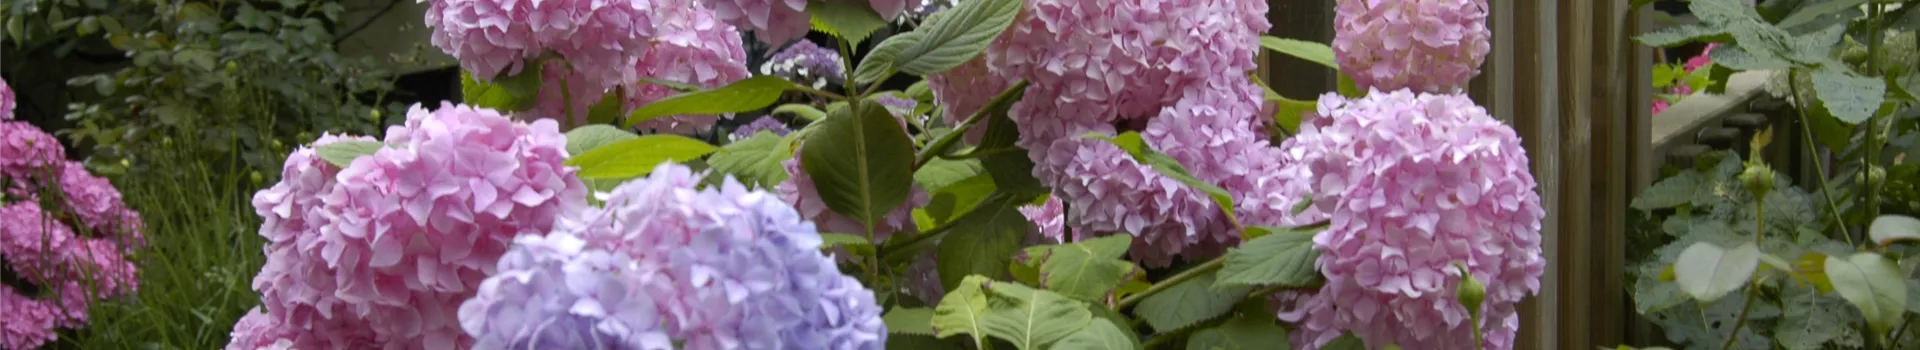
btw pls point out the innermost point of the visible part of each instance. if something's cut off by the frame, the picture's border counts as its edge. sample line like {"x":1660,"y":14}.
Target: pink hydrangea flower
{"x":258,"y":331}
{"x":1426,"y":45}
{"x":382,"y":252}
{"x":26,"y":151}
{"x":7,"y":103}
{"x":964,"y":90}
{"x":1414,"y":184}
{"x":28,"y":323}
{"x":495,"y":37}
{"x":692,"y":48}
{"x":43,"y":250}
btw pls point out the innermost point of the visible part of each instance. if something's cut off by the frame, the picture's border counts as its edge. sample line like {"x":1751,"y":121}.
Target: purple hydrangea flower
{"x":764,"y":124}
{"x":552,"y":293}
{"x":807,"y":63}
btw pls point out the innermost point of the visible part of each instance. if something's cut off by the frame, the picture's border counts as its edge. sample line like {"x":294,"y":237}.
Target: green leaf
{"x":1348,"y":88}
{"x":1087,"y":270}
{"x":1670,"y":192}
{"x":1851,"y":98}
{"x":1806,"y":14}
{"x":801,"y":110}
{"x":956,"y":36}
{"x":509,"y":94}
{"x":586,"y":138}
{"x":1305,"y":50}
{"x":909,"y":321}
{"x":1810,"y":320}
{"x":1682,"y":35}
{"x":1098,"y":336}
{"x":1012,"y":171}
{"x":882,"y":61}
{"x":1031,"y":318}
{"x":921,"y":342}
{"x":983,"y":242}
{"x":1874,"y":285}
{"x":941,"y":172}
{"x":920,"y":92}
{"x":958,"y":198}
{"x":852,"y":21}
{"x":1171,"y":168}
{"x":1188,"y":303}
{"x":860,"y":162}
{"x":342,"y":153}
{"x":741,"y":96}
{"x":608,"y":109}
{"x":1889,"y":228}
{"x":1247,"y":332}
{"x":1284,"y":257}
{"x":1291,"y":112}
{"x":842,"y":239}
{"x":1346,"y":341}
{"x":755,"y":160}
{"x":1735,"y":57}
{"x":1708,"y":272}
{"x":963,"y":310}
{"x":638,"y":156}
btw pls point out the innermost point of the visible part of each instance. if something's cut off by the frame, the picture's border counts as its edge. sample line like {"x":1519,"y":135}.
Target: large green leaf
{"x":511,"y":94}
{"x":1247,"y":332}
{"x":342,"y":153}
{"x":1849,"y":97}
{"x":1188,"y":303}
{"x":957,"y":35}
{"x":1736,"y":57}
{"x":608,"y":109}
{"x":801,"y":110}
{"x":586,"y":138}
{"x":1291,"y":112}
{"x":1284,"y":257}
{"x":755,"y":160}
{"x":1087,"y":270}
{"x":941,"y":172}
{"x":1810,"y":321}
{"x":850,"y":20}
{"x":1670,"y":192}
{"x":959,"y":198}
{"x":1302,"y":49}
{"x":982,"y":242}
{"x":1681,"y":35}
{"x":1099,"y":335}
{"x":1873,"y":284}
{"x":881,"y":62}
{"x":963,"y":310}
{"x":1010,"y":167}
{"x":860,"y":162}
{"x":741,"y":96}
{"x":1031,"y":318}
{"x":909,"y":321}
{"x":1707,"y":271}
{"x":1889,"y":228}
{"x":638,"y":156}
{"x":1811,"y":11}
{"x":1171,"y":168}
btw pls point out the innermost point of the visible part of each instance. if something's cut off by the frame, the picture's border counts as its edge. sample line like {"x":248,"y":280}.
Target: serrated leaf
{"x":342,"y":153}
{"x":883,"y":61}
{"x":1188,"y":303}
{"x":962,"y":310}
{"x":860,"y":161}
{"x":1872,"y":284}
{"x":1302,"y":49}
{"x":957,"y":35}
{"x":740,"y":96}
{"x":1707,"y":271}
{"x":852,"y":21}
{"x":1849,"y":97}
{"x":507,"y":94}
{"x":1810,"y":321}
{"x":1097,"y":336}
{"x":909,"y":321}
{"x":1283,"y":257}
{"x":1670,"y":192}
{"x":1241,"y":333}
{"x":982,"y":242}
{"x":1031,"y":318}
{"x":755,"y":160}
{"x":1681,"y":35}
{"x":638,"y":156}
{"x":941,"y":172}
{"x":800,"y":110}
{"x":1889,"y":228}
{"x":586,"y":138}
{"x":1087,"y":270}
{"x":1171,"y":168}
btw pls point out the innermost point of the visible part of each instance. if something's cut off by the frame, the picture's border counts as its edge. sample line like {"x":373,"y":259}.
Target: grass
{"x":196,"y":274}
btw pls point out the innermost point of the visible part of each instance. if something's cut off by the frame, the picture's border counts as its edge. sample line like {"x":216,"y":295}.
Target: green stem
{"x":1799,"y":108}
{"x":1473,"y":320}
{"x":1897,"y":332}
{"x":908,"y":248}
{"x":946,"y":141}
{"x":1203,"y":269}
{"x":566,"y":100}
{"x":1739,"y":322}
{"x":822,"y":93}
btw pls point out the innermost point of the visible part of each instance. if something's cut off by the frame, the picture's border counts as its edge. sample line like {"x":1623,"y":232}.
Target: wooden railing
{"x":1706,"y":122}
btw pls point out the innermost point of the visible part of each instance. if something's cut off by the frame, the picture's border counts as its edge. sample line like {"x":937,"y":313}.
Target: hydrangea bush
{"x":66,"y":238}
{"x":1056,"y":171}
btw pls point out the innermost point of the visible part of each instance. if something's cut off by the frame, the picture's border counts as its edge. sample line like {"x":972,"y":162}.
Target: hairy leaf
{"x":852,"y":21}
{"x":1707,"y":271}
{"x":1284,"y":257}
{"x":963,"y":310}
{"x":1188,"y":303}
{"x":1031,"y":318}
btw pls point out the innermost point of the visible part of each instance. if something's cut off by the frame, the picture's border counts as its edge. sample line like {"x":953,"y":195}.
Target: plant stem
{"x":1897,"y":332}
{"x":946,"y":141}
{"x":1739,"y":322}
{"x":822,"y":93}
{"x":1204,"y":268}
{"x":1806,"y":129}
{"x":1479,"y":342}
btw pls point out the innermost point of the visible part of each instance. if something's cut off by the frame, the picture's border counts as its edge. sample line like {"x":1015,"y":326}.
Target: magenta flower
{"x":382,"y":252}
{"x":495,"y":37}
{"x":26,"y":151}
{"x":1414,"y":184}
{"x":7,"y":104}
{"x":1432,"y":46}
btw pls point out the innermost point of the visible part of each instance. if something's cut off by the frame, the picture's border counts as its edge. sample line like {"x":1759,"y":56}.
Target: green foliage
{"x":1305,"y":50}
{"x":861,"y":162}
{"x":1031,"y":318}
{"x":755,"y":160}
{"x":1873,"y":284}
{"x":1284,"y":257}
{"x":1247,"y":332}
{"x":954,"y":36}
{"x":741,"y":96}
{"x":1087,"y":270}
{"x":1707,"y":271}
{"x":590,"y":137}
{"x":1098,"y":335}
{"x":637,"y":156}
{"x":513,"y":93}
{"x":909,"y":321}
{"x":941,"y":172}
{"x":1890,"y":228}
{"x":983,"y":241}
{"x":342,"y":154}
{"x":1189,"y":303}
{"x":852,"y":21}
{"x":963,"y":310}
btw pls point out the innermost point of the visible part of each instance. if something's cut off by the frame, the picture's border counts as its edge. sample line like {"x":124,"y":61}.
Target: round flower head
{"x":26,"y":151}
{"x":807,"y":63}
{"x":1433,"y":46}
{"x":1414,"y":184}
{"x":97,"y":204}
{"x":494,"y":38}
{"x":380,"y":253}
{"x":964,"y":90}
{"x":257,"y":331}
{"x":6,"y":100}
{"x":764,"y":124}
{"x":738,"y":269}
{"x":28,"y":323}
{"x":552,"y":293}
{"x":72,"y":272}
{"x":692,"y":48}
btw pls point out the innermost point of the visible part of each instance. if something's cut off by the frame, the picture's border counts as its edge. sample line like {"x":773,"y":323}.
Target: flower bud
{"x":1470,"y":292}
{"x":1873,"y":176}
{"x":1758,"y":179}
{"x":257,"y":178}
